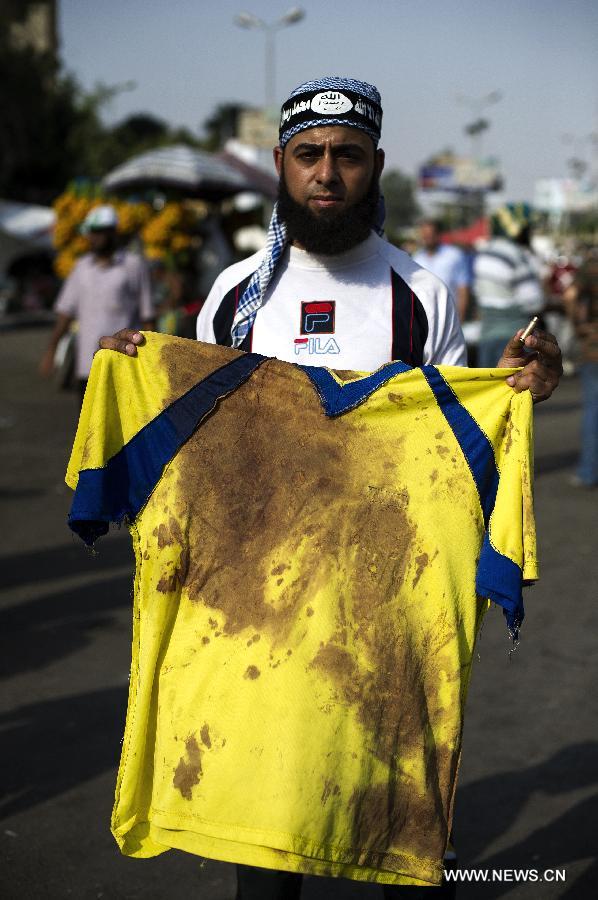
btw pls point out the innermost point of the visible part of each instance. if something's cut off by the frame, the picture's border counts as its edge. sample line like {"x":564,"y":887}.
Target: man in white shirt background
{"x":109,"y":289}
{"x":449,"y":263}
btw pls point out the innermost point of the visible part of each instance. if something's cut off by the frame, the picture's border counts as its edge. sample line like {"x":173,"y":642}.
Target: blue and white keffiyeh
{"x":255,"y":292}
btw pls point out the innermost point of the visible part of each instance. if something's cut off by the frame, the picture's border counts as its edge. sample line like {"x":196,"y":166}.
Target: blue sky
{"x":187,"y":55}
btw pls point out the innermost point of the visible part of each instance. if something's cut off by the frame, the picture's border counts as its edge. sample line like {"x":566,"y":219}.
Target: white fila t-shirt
{"x":357,"y":310}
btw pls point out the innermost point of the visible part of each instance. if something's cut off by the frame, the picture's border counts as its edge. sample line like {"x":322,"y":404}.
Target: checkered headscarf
{"x":327,"y":101}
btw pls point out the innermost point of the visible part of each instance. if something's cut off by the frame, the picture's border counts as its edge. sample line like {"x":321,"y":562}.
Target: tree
{"x":38,"y":111}
{"x":399,"y":197}
{"x":222,"y":125}
{"x":52,"y":130}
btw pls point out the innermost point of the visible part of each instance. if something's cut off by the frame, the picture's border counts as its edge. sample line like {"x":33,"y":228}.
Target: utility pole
{"x":249,"y":20}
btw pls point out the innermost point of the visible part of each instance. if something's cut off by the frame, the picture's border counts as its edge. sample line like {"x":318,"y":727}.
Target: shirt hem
{"x":272,"y":850}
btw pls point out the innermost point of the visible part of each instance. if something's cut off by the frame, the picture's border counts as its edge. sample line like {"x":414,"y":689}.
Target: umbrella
{"x":196,"y":172}
{"x":262,"y":182}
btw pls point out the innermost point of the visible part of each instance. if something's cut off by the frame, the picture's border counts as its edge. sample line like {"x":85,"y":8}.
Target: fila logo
{"x":317,"y":317}
{"x":316,"y":345}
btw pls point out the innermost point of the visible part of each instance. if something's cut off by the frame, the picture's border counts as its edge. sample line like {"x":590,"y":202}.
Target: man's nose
{"x":327,"y":173}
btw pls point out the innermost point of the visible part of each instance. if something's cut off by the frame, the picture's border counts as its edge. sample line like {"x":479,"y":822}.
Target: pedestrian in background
{"x":447,"y":262}
{"x":108,"y":289}
{"x":582,"y":304}
{"x":507,"y":282}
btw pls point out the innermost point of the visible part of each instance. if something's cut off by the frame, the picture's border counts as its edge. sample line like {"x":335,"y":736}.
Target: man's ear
{"x":277,"y":154}
{"x":379,"y":161}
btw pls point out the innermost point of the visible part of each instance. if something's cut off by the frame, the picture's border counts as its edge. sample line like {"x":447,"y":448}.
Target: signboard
{"x":258,"y":129}
{"x":446,"y":172}
{"x":558,"y":195}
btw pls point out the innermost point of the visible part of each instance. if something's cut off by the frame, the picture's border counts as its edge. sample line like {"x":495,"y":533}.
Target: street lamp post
{"x":479,"y":125}
{"x":248,"y":20}
{"x":474,"y":200}
{"x":578,"y":164}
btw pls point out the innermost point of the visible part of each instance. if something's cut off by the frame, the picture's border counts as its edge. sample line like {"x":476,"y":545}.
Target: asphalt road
{"x":528,"y":789}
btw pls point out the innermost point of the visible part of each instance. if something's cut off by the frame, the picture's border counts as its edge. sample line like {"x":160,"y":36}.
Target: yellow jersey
{"x":314,"y":554}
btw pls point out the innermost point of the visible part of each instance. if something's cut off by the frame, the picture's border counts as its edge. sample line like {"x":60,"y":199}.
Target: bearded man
{"x":329,"y":291}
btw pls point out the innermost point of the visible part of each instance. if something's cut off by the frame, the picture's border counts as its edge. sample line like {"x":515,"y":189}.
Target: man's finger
{"x":546,"y":346}
{"x":514,"y":354}
{"x":125,"y":341}
{"x":537,"y":378}
{"x":540,"y":342}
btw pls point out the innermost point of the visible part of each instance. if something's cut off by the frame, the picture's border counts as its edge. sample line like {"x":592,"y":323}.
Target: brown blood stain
{"x":205,"y":735}
{"x":339,"y":663}
{"x":348,"y":374}
{"x":439,"y":435}
{"x":164,"y":536}
{"x":260,"y":509}
{"x":398,"y":399}
{"x":421,"y":562}
{"x":171,"y":582}
{"x":434,"y":476}
{"x":205,"y":640}
{"x":252,"y":508}
{"x":510,"y":427}
{"x":189,"y":365}
{"x":442,"y":451}
{"x":386,"y":815}
{"x":252,"y":672}
{"x":253,"y":640}
{"x":529,"y":526}
{"x":188,"y":771}
{"x":330,"y":788}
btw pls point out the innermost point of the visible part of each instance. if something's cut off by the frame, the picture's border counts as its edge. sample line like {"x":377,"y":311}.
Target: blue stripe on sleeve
{"x":498,"y":577}
{"x":122,"y":487}
{"x":476,"y":447}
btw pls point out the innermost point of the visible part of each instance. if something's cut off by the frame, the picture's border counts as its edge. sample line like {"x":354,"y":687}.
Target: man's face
{"x":429,"y":236}
{"x":329,"y":187}
{"x":102,"y":241}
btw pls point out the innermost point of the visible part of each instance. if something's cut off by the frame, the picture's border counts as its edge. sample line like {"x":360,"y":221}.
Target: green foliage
{"x":399,"y":197}
{"x":52,"y":130}
{"x":222,"y":125}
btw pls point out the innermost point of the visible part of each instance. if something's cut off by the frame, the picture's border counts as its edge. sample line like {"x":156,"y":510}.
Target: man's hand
{"x":542,"y":364}
{"x":125,"y":341}
{"x":46,"y":366}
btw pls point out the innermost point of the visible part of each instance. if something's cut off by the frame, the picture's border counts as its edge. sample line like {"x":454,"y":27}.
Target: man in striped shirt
{"x":507,"y":285}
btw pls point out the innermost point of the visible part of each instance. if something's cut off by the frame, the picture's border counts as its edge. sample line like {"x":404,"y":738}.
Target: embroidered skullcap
{"x":332,"y":101}
{"x":327,"y":101}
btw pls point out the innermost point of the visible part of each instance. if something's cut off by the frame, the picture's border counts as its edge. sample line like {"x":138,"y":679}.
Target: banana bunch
{"x":166,"y":232}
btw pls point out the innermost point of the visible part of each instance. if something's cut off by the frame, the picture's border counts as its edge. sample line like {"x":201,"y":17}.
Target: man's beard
{"x":328,"y":233}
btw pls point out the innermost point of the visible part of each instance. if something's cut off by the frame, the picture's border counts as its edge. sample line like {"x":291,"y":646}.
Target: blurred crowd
{"x":498,"y":281}
{"x":502,"y":280}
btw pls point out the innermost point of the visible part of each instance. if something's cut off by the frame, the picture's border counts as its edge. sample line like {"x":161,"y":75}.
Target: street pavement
{"x":528,"y":788}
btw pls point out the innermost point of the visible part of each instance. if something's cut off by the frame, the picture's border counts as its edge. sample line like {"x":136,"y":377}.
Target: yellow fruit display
{"x":166,"y":232}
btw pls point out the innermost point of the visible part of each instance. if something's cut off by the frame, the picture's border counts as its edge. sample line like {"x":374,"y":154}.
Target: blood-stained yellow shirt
{"x":314,"y":554}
